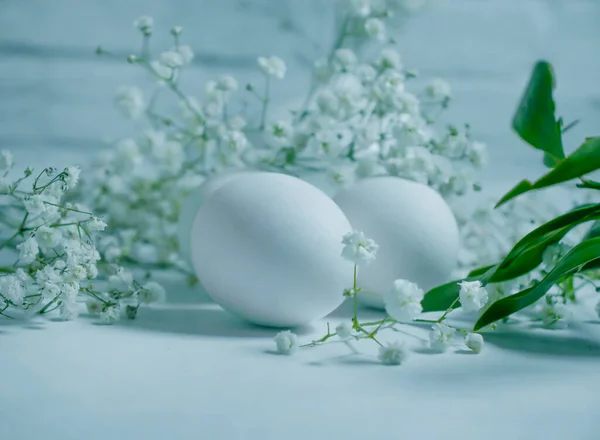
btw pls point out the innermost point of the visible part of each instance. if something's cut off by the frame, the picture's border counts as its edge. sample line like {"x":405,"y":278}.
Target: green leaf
{"x":440,"y":298}
{"x":529,"y":258}
{"x":578,"y":257}
{"x":582,"y":161}
{"x":535,"y":119}
{"x":527,"y":253}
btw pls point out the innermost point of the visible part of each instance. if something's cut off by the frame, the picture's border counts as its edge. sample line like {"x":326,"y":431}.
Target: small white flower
{"x":162,"y":71}
{"x":360,"y":8}
{"x":47,"y":237}
{"x":474,"y":341}
{"x":554,"y":315}
{"x":393,"y":354}
{"x":29,"y":250}
{"x":177,"y":30}
{"x":121,"y":280}
{"x":94,"y":224}
{"x":473,"y":295}
{"x":186,"y":52}
{"x":344,"y":331}
{"x":552,"y":254}
{"x":130,"y":100}
{"x":94,"y":306}
{"x":440,"y":336}
{"x":12,"y":289}
{"x":144,"y":24}
{"x":152,"y":292}
{"x":286,"y":342}
{"x":375,"y":28}
{"x":171,"y":59}
{"x":34,"y":205}
{"x":344,"y":58}
{"x":6,"y":160}
{"x":272,"y":66}
{"x":389,"y":59}
{"x":477,"y":153}
{"x":358,"y":248}
{"x":111,"y":314}
{"x":226,"y":83}
{"x":403,"y":301}
{"x":71,"y":176}
{"x":438,"y":89}
{"x":69,"y":310}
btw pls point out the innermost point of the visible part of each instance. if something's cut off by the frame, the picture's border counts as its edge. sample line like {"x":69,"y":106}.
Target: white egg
{"x":414,"y":227}
{"x":267,"y":248}
{"x":192,"y":204}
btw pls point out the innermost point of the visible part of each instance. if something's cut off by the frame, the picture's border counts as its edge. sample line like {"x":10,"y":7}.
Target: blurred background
{"x":56,"y":95}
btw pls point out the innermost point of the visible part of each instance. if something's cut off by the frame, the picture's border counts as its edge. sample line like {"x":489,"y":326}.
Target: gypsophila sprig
{"x":473,"y":296}
{"x":474,"y":341}
{"x":286,"y":342}
{"x":358,"y":248}
{"x":53,"y":243}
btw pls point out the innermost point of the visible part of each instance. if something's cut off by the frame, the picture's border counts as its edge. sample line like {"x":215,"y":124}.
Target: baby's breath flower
{"x":152,"y":292}
{"x":110,"y":314}
{"x":344,"y":58}
{"x":403,"y":301}
{"x":375,"y":28}
{"x":186,"y":52}
{"x":360,"y":8}
{"x":171,"y":59}
{"x":34,"y":205}
{"x":286,"y":342}
{"x":48,"y":237}
{"x":121,"y":280}
{"x":440,"y":336}
{"x":389,"y":59}
{"x":130,"y":100}
{"x":477,"y":153}
{"x":144,"y":24}
{"x":12,"y":289}
{"x":393,"y":354}
{"x":29,"y":250}
{"x":439,"y":89}
{"x":162,"y":71}
{"x":474,"y":341}
{"x":94,"y":224}
{"x":552,"y":254}
{"x":358,"y":248}
{"x":344,"y":331}
{"x":554,"y":314}
{"x":6,"y":160}
{"x":473,"y":295}
{"x":69,"y":310}
{"x":272,"y":66}
{"x":176,"y":30}
{"x":226,"y":83}
{"x":71,"y":176}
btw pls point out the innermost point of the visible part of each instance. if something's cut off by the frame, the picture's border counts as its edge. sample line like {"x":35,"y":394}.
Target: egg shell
{"x":191,"y":205}
{"x":414,"y":227}
{"x":267,"y":248}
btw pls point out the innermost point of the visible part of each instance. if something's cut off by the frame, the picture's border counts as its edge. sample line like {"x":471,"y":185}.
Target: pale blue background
{"x":195,"y":373}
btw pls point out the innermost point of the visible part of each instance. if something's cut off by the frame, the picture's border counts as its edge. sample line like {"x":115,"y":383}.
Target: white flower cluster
{"x":54,"y":244}
{"x":360,"y":119}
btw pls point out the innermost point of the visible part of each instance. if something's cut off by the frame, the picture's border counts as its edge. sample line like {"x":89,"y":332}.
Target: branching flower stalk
{"x":52,"y":243}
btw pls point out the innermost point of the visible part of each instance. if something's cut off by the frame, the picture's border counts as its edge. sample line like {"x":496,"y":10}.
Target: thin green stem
{"x":266,"y":99}
{"x":448,"y":310}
